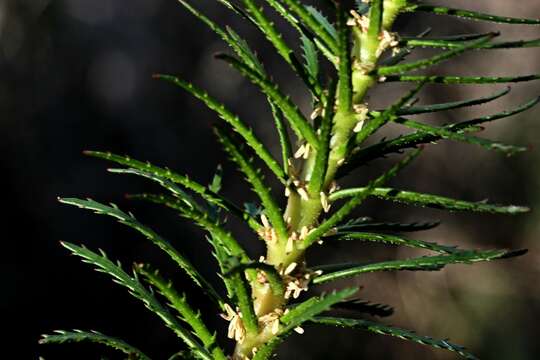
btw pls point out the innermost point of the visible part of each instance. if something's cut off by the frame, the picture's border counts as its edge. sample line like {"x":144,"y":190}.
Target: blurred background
{"x":76,"y":75}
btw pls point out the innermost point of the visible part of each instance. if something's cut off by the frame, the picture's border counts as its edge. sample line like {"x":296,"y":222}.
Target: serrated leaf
{"x":266,"y":26}
{"x":344,"y":90}
{"x":311,"y":57}
{"x":187,"y":313}
{"x":314,"y":23}
{"x":283,"y":135}
{"x":238,"y":125}
{"x":379,"y":150}
{"x":448,"y":44}
{"x":312,"y":307}
{"x":473,"y":15}
{"x":348,"y":207}
{"x":256,"y":180}
{"x":395,"y":240}
{"x":387,"y":115}
{"x":156,"y":239}
{"x":450,"y":135}
{"x":425,"y":263}
{"x":441,"y":79}
{"x":296,"y":119}
{"x":148,"y":169}
{"x":64,"y":336}
{"x":415,"y":110}
{"x":317,"y":178}
{"x":204,"y":220}
{"x":233,"y":40}
{"x":367,"y":225}
{"x":365,"y":307}
{"x":103,"y":264}
{"x":187,"y":200}
{"x":421,"y":64}
{"x":395,"y":332}
{"x":428,"y":200}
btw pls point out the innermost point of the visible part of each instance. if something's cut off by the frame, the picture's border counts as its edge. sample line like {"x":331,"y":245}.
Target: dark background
{"x":76,"y":74}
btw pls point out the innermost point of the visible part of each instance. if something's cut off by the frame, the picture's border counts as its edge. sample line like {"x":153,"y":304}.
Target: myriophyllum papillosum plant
{"x":262,"y":296}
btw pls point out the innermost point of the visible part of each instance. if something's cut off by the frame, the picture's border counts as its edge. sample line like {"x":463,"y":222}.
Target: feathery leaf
{"x":428,"y":200}
{"x":393,"y":331}
{"x":129,"y":220}
{"x":424,"y":63}
{"x":425,"y":263}
{"x":473,"y":15}
{"x":442,"y":79}
{"x":179,"y":303}
{"x":256,"y":180}
{"x":63,"y":336}
{"x":238,"y":125}
{"x":395,"y":240}
{"x":346,"y":209}
{"x":203,"y":219}
{"x":415,"y":110}
{"x":296,"y":119}
{"x":103,"y":264}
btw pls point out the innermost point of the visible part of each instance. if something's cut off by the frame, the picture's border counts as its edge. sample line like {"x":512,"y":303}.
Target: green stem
{"x":305,"y":212}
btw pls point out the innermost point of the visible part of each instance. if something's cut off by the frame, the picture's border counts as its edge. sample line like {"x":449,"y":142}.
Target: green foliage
{"x":63,"y":336}
{"x":260,"y":291}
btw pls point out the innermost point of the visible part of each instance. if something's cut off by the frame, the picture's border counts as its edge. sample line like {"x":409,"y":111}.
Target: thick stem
{"x":305,"y":212}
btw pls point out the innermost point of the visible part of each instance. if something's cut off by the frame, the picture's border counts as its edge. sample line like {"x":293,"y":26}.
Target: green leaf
{"x":428,"y":200}
{"x":256,"y":180}
{"x":203,"y":219}
{"x":103,"y":264}
{"x":344,"y":92}
{"x":450,"y":135}
{"x":473,"y":15}
{"x":322,"y":20}
{"x":312,"y":307}
{"x":158,"y":172}
{"x":378,"y":121}
{"x":421,"y":64}
{"x":318,"y":25}
{"x":393,"y":331}
{"x":440,"y":79}
{"x":245,"y":53}
{"x":365,"y":307}
{"x":316,"y":181}
{"x":226,"y":204}
{"x":300,"y":314}
{"x":366,"y":225}
{"x":179,"y":303}
{"x":265,"y":25}
{"x":448,"y":44}
{"x":284,"y":140}
{"x":311,"y":57}
{"x":298,"y":122}
{"x":238,"y":125}
{"x":237,"y":44}
{"x":425,"y":263}
{"x":395,"y":240}
{"x":244,"y":300}
{"x":63,"y":336}
{"x":348,"y":207}
{"x":415,"y":110}
{"x":215,"y":185}
{"x":129,"y":220}
{"x":364,"y":155}
{"x":371,"y":42}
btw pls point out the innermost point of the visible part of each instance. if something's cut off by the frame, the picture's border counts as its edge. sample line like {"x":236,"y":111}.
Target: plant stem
{"x":302,"y":212}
